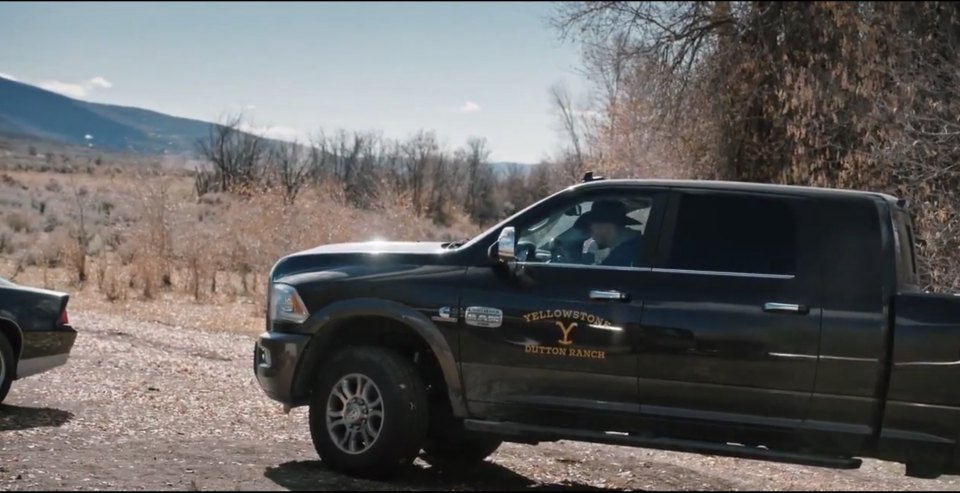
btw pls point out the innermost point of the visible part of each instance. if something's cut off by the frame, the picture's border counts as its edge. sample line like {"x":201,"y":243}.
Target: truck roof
{"x":809,"y":191}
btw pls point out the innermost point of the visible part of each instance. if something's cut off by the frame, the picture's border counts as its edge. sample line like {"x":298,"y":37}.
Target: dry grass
{"x":137,"y":241}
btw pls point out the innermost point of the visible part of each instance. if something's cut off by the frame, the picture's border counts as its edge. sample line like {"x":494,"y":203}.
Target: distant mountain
{"x":502,"y":169}
{"x":30,"y":111}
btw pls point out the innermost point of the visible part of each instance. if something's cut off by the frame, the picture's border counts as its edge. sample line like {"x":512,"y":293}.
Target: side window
{"x":729,"y":233}
{"x":608,"y":231}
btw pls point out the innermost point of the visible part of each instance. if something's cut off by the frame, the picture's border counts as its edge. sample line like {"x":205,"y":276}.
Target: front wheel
{"x":464,"y":450}
{"x":450,"y":444}
{"x":7,"y":367}
{"x":368,"y":415}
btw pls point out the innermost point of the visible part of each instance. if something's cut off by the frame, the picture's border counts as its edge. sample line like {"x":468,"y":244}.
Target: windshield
{"x":553,"y":225}
{"x":507,"y":221}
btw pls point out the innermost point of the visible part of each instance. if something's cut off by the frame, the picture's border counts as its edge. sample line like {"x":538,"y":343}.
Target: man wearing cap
{"x":608,"y":222}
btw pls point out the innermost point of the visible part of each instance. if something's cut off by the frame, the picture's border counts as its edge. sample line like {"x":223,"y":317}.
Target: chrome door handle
{"x":608,"y":295}
{"x":785,"y":308}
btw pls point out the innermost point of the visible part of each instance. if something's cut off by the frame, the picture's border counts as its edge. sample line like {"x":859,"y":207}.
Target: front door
{"x":560,"y":335}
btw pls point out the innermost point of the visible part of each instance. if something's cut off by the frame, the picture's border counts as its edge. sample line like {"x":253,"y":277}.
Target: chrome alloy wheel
{"x":354,"y":413}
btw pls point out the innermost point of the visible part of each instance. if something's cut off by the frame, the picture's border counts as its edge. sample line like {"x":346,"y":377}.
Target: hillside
{"x":33,"y":112}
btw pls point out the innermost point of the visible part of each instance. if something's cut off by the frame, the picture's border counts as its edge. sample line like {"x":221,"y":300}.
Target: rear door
{"x":731,"y":330}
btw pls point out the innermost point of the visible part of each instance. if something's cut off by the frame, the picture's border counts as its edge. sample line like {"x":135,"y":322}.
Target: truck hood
{"x":408,"y":247}
{"x":353,"y":259}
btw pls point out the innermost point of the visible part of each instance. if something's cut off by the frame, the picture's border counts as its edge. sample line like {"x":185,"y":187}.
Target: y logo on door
{"x":566,"y":330}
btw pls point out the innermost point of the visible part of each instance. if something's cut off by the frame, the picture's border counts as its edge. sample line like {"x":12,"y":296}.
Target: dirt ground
{"x":148,"y":406}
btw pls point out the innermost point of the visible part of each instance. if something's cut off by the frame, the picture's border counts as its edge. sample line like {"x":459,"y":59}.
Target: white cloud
{"x":88,"y":137}
{"x":100,"y":82}
{"x":469,"y":107}
{"x":283,"y":133}
{"x":76,"y":90}
{"x":275,"y":132}
{"x":7,"y":76}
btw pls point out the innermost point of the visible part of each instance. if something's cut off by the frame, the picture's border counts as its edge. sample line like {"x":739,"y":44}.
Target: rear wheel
{"x":7,"y":367}
{"x":368,"y":415}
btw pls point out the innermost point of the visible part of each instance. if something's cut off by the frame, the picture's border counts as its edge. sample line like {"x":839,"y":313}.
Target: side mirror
{"x":507,"y":245}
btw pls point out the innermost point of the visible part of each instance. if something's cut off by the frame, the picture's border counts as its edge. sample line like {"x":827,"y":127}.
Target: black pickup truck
{"x":777,"y":323}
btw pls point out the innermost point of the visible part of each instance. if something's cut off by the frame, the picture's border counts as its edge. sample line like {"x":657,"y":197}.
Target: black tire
{"x":923,"y":470}
{"x":403,"y":426}
{"x":449,"y":444}
{"x":7,"y":367}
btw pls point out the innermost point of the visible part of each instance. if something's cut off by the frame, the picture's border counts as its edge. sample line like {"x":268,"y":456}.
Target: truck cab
{"x":770,"y":322}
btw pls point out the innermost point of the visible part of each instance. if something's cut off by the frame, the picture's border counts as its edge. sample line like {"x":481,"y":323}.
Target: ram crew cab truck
{"x":776,"y":323}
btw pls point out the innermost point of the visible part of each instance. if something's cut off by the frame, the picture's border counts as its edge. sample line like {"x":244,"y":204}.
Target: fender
{"x":339,"y":311}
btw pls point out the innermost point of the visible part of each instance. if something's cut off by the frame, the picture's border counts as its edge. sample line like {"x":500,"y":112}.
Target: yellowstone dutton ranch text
{"x":565,"y":314}
{"x":565,"y":331}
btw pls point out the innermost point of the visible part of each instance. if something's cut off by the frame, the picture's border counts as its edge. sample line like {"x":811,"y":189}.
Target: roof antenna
{"x":588,"y":177}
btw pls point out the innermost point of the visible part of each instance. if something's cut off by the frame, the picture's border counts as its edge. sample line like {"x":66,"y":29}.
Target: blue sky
{"x":461,"y":69}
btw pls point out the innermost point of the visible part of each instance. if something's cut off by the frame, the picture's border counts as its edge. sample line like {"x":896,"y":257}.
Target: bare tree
{"x":290,"y":161}
{"x":841,"y":94}
{"x":235,"y":154}
{"x":418,"y":152}
{"x":574,"y":164}
{"x":441,"y":187}
{"x":480,"y":201}
{"x":319,"y":159}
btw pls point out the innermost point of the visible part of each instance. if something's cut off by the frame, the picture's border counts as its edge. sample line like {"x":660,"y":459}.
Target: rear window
{"x":904,"y":244}
{"x":735,"y":233}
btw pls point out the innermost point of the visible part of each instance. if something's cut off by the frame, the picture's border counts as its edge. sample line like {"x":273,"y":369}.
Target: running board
{"x":544,"y":433}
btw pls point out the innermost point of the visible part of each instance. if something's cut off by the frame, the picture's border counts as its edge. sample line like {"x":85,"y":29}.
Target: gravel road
{"x":150,"y":406}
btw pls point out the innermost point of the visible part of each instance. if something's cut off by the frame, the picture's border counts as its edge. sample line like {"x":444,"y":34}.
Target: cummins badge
{"x":482,"y":316}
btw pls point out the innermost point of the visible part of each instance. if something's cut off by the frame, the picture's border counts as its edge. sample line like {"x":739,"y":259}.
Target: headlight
{"x":286,"y":305}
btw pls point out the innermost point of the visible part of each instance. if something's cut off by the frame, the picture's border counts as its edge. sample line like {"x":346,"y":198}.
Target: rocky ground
{"x":147,"y":406}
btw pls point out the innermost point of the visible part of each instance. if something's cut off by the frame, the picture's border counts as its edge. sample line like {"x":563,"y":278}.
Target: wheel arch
{"x":14,"y":334}
{"x":347,"y":320}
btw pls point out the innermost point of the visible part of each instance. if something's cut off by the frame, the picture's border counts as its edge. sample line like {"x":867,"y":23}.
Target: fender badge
{"x":482,"y":316}
{"x":445,"y":314}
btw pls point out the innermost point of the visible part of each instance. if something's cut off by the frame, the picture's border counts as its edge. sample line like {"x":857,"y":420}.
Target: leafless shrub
{"x":152,"y":240}
{"x":6,"y":241}
{"x":110,"y":281}
{"x":75,"y":251}
{"x":19,"y":222}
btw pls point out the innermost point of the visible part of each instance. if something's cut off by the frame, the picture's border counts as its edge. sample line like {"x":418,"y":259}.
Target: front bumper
{"x":275,"y":359}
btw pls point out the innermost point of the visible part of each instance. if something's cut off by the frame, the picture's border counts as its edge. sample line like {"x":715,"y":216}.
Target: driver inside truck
{"x":608,"y":222}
